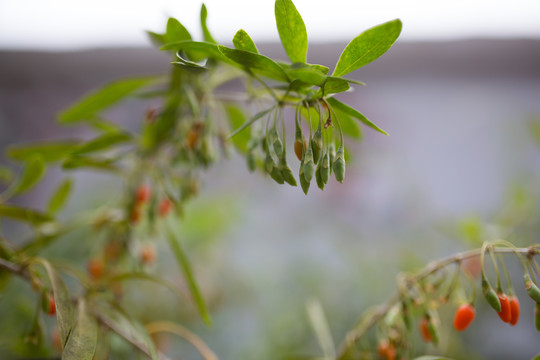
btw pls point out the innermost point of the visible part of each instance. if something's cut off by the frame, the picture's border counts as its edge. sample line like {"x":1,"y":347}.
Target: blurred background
{"x":459,"y":94}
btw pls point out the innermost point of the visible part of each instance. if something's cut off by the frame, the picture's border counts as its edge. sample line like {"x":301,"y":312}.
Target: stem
{"x":355,"y":334}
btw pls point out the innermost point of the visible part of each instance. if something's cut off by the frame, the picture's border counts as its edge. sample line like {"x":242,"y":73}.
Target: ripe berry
{"x":52,"y":306}
{"x":464,"y":316}
{"x":148,"y":254}
{"x":506,"y":312}
{"x":424,"y":330}
{"x":96,"y":268}
{"x":165,"y":207}
{"x":143,"y":194}
{"x":514,"y":308}
{"x":386,"y":350}
{"x":136,"y":215}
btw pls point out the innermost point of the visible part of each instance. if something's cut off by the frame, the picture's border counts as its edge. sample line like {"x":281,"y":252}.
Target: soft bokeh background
{"x":459,"y":106}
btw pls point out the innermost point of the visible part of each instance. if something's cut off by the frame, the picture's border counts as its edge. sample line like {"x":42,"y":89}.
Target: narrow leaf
{"x":176,"y":31}
{"x":237,"y":119}
{"x":334,"y":85}
{"x":148,"y":277}
{"x":6,"y":174}
{"x":185,"y":265}
{"x":82,"y":342}
{"x":32,"y":173}
{"x":24,"y":214}
{"x":242,"y":41}
{"x":76,"y":162}
{"x":99,"y":100}
{"x":255,"y":62}
{"x":307,"y":75}
{"x":292,"y":30}
{"x":367,"y":47}
{"x":321,"y":328}
{"x":206,"y":33}
{"x":64,"y":308}
{"x":354,"y":113}
{"x":251,"y":121}
{"x":102,"y":142}
{"x":202,"y":49}
{"x":60,"y":196}
{"x":49,"y":151}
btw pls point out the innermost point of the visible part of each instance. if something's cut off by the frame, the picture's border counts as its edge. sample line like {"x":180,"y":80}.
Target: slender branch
{"x":355,"y":334}
{"x":15,"y":269}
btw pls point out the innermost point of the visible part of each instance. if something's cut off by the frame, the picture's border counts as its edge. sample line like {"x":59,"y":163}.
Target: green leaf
{"x":334,"y":85}
{"x":49,"y":151}
{"x":537,"y":357}
{"x":176,"y":31}
{"x":292,"y":30}
{"x":251,"y":121}
{"x":64,"y":307}
{"x":256,"y":63}
{"x":60,"y":196}
{"x":354,"y":113}
{"x":76,"y":162}
{"x":348,"y":125}
{"x":155,"y":38}
{"x":319,"y":323}
{"x":103,"y":142}
{"x":242,"y":41}
{"x":24,"y":214}
{"x":124,"y":325}
{"x":367,"y":47}
{"x":6,"y":174}
{"x":101,"y":99}
{"x":32,"y":173}
{"x":185,"y":265}
{"x":82,"y":341}
{"x":201,"y":49}
{"x":237,"y":119}
{"x":206,"y":33}
{"x":307,"y":75}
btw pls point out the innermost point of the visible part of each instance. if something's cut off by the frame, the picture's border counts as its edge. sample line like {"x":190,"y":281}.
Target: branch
{"x":355,"y":334}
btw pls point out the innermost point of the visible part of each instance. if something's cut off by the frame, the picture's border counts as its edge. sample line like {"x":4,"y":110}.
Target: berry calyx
{"x":514,"y":309}
{"x":464,"y":317}
{"x":506,"y":312}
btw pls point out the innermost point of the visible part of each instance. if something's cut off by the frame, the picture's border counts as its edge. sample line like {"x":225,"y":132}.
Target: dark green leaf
{"x":256,"y":63}
{"x":242,"y":41}
{"x":82,"y":341}
{"x":334,"y":85}
{"x":206,"y":33}
{"x":354,"y":113}
{"x":33,"y":172}
{"x":185,"y":265}
{"x":103,"y":142}
{"x":367,"y":47}
{"x":64,"y":307}
{"x":237,"y":119}
{"x":251,"y":121}
{"x":292,"y":30}
{"x":24,"y":214}
{"x":101,"y":99}
{"x":176,"y":31}
{"x":49,"y":151}
{"x":76,"y":162}
{"x":60,"y":196}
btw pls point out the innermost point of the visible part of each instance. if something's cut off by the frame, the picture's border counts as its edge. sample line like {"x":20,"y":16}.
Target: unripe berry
{"x":514,"y":308}
{"x":464,"y":316}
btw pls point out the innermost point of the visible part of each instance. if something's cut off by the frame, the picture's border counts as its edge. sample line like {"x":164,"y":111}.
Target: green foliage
{"x":242,"y":41}
{"x":33,"y":172}
{"x":292,"y":31}
{"x":60,"y":196}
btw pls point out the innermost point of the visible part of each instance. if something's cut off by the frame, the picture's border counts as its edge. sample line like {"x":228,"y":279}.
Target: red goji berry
{"x":464,"y":316}
{"x":96,"y":268}
{"x":514,"y":309}
{"x":52,"y":306}
{"x":165,"y":207}
{"x":143,"y":194}
{"x":424,"y":330}
{"x":506,"y":312}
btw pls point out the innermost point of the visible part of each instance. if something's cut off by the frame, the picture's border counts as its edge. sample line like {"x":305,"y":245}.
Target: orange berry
{"x":136,"y":215}
{"x":148,"y":254}
{"x":96,"y":268}
{"x":52,"y":306}
{"x":143,"y":194}
{"x":424,"y":330}
{"x":514,"y":309}
{"x":506,"y":311}
{"x":464,"y":316}
{"x":165,"y":207}
{"x":382,"y":348}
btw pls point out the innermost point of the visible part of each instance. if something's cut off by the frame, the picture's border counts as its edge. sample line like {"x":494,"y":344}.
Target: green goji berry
{"x":339,"y":164}
{"x":490,"y":295}
{"x":531,"y":288}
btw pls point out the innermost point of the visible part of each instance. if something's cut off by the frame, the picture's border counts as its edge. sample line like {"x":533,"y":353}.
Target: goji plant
{"x":285,"y":110}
